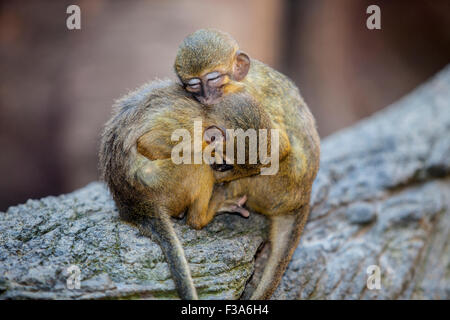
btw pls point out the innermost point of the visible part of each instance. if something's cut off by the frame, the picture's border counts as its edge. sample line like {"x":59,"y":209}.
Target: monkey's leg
{"x":161,"y":228}
{"x":203,"y":210}
{"x":199,"y":214}
{"x":285,"y":231}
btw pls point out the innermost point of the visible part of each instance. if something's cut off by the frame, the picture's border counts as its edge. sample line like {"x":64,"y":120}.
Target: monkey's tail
{"x":161,"y":228}
{"x":285,"y":232}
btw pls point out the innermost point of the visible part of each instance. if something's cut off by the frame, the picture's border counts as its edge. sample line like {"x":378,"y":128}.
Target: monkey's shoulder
{"x":271,"y":82}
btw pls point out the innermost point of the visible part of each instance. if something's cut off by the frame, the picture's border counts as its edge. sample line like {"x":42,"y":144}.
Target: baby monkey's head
{"x":209,"y":63}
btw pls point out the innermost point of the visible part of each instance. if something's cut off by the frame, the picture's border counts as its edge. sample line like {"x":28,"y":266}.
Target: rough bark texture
{"x":382,"y":197}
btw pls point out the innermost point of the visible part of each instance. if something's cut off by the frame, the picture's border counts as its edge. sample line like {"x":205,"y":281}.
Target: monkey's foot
{"x":235,"y":205}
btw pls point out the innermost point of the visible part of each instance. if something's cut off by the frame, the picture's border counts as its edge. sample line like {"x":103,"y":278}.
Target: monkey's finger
{"x":243,"y":212}
{"x":234,"y":208}
{"x":242,"y":200}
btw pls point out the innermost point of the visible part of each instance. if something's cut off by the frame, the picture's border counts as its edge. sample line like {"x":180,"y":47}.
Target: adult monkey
{"x":210,"y":66}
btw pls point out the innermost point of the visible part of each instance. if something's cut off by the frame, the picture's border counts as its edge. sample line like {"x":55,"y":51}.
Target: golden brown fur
{"x":283,"y":197}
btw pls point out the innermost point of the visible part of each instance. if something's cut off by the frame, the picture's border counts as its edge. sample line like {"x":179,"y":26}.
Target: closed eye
{"x":213,"y":75}
{"x":214,"y":78}
{"x":217,"y":81}
{"x":193,"y":85}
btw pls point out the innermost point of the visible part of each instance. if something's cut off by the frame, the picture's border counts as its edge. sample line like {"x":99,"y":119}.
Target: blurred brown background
{"x":57,"y":86}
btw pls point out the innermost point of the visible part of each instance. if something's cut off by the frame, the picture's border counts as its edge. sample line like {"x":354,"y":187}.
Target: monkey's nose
{"x":202,"y":100}
{"x":205,"y":100}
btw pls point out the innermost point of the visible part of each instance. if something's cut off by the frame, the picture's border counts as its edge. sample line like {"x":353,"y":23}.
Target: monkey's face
{"x":210,"y":86}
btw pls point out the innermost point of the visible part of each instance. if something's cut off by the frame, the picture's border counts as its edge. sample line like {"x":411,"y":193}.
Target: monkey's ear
{"x":241,"y":66}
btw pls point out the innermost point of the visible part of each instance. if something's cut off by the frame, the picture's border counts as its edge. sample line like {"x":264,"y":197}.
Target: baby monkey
{"x":148,"y":186}
{"x":211,"y":67}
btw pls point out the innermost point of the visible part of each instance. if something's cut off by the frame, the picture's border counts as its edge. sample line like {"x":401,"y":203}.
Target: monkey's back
{"x":158,"y":107}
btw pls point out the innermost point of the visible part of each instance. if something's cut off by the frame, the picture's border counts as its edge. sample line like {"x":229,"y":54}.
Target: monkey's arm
{"x":235,"y":173}
{"x":152,"y":147}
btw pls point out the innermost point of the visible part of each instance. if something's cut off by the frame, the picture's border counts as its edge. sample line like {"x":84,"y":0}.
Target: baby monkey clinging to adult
{"x":211,"y":67}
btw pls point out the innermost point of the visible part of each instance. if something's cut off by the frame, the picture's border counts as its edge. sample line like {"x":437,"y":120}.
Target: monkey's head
{"x":209,"y":64}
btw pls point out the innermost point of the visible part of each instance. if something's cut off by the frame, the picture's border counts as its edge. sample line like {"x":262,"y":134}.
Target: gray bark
{"x":381,"y":198}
